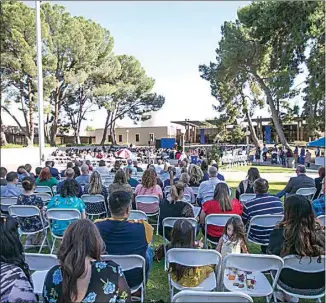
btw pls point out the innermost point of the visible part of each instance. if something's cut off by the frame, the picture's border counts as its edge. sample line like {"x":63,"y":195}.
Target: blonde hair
{"x":176,"y":190}
{"x":196,"y":174}
{"x":184,"y":178}
{"x":95,"y":184}
{"x":149,"y":179}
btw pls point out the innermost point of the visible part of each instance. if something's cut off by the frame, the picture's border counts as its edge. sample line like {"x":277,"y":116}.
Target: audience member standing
{"x":15,"y":278}
{"x":247,"y":186}
{"x":295,"y":183}
{"x":125,"y":237}
{"x":307,"y":158}
{"x":67,"y":199}
{"x":263,"y":204}
{"x":298,"y":234}
{"x":81,"y":276}
{"x":221,"y":204}
{"x":11,"y":189}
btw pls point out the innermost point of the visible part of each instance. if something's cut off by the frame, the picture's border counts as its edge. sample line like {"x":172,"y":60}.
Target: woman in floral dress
{"x":81,"y":276}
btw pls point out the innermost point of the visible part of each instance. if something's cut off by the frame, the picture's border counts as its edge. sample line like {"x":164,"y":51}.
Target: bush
{"x":11,"y":145}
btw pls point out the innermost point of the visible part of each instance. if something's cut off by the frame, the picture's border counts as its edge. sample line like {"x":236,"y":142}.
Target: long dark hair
{"x":80,"y":240}
{"x":11,"y":249}
{"x":222,"y":195}
{"x":302,"y":234}
{"x":238,"y":229}
{"x":182,"y":236}
{"x":69,"y":188}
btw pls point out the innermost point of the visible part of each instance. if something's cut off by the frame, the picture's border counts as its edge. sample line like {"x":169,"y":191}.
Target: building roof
{"x":194,"y":123}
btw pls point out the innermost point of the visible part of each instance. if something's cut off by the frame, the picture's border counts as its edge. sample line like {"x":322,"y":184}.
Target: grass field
{"x":262,"y":169}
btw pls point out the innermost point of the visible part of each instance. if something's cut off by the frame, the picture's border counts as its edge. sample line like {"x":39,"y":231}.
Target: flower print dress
{"x":31,"y":224}
{"x":107,"y":284}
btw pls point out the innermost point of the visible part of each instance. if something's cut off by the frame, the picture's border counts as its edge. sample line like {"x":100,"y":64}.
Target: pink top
{"x":156,"y":190}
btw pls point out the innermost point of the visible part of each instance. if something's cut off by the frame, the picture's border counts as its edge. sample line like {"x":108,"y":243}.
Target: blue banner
{"x":202,"y":136}
{"x":268,"y":134}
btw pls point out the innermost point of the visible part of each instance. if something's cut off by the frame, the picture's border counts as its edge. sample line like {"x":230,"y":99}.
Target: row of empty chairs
{"x":208,"y":291}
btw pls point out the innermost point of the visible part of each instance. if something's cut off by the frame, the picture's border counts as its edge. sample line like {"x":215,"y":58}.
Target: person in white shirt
{"x":102,"y":168}
{"x":208,"y":186}
{"x":159,"y":167}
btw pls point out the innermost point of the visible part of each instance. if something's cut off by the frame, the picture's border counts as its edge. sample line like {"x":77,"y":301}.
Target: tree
{"x":89,"y":128}
{"x":295,"y":30}
{"x":79,"y":46}
{"x":241,"y":54}
{"x":18,"y":64}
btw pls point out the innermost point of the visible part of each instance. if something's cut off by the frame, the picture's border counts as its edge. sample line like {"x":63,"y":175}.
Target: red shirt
{"x":213,"y":207}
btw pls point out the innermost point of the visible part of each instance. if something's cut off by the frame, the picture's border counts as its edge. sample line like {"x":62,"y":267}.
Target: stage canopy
{"x":317,"y":143}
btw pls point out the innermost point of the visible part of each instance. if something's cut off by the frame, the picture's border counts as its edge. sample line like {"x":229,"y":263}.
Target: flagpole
{"x":39,"y":81}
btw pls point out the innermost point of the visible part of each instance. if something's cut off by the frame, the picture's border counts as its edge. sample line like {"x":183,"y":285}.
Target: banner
{"x":202,"y":136}
{"x":268,"y":134}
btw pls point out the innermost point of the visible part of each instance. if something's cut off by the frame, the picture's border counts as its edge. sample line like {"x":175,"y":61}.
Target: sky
{"x":170,"y":39}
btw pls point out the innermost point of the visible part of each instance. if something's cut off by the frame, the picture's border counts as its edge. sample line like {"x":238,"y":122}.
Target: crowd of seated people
{"x":116,"y":234}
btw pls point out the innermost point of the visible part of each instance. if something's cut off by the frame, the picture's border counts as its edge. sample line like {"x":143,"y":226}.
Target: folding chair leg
{"x":318,"y":300}
{"x":53,"y":245}
{"x":44,"y":238}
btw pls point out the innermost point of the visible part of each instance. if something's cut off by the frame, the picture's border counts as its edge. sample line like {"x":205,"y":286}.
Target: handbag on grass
{"x":159,"y":253}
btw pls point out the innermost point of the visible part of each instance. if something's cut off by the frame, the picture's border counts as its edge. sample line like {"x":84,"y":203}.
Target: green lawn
{"x":262,"y":169}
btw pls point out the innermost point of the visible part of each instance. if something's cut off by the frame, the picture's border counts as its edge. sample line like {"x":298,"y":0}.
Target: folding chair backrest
{"x":44,"y":196}
{"x":305,"y":264}
{"x":54,"y":189}
{"x":24,"y":211}
{"x":193,"y":257}
{"x":195,"y":190}
{"x":322,"y":218}
{"x":127,"y":262}
{"x":92,"y":198}
{"x":192,"y":296}
{"x":41,"y":261}
{"x":150,"y":199}
{"x":253,"y":262}
{"x":219,"y":219}
{"x":43,"y":189}
{"x":208,"y":196}
{"x":5,"y":202}
{"x":137,"y":215}
{"x":264,"y":221}
{"x":308,"y":192}
{"x":167,"y":190}
{"x":246,"y":197}
{"x":63,"y":214}
{"x":186,"y":198}
{"x":170,"y":221}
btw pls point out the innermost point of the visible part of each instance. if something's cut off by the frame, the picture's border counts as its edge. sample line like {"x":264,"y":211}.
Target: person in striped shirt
{"x":263,"y":204}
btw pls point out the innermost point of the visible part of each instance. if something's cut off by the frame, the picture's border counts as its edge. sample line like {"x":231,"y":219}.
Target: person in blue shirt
{"x":53,"y":171}
{"x":131,"y":181}
{"x":129,"y":162}
{"x":67,"y":199}
{"x":83,"y":179}
{"x":22,"y":173}
{"x":11,"y":189}
{"x":318,"y":205}
{"x":219,"y":176}
{"x":69,"y":176}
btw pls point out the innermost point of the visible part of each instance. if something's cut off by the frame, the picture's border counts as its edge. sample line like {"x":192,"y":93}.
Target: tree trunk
{"x":253,"y":134}
{"x":275,"y":117}
{"x":3,"y":139}
{"x":105,"y":130}
{"x":54,"y":127}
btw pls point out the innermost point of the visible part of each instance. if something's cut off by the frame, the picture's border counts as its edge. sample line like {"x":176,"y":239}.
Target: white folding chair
{"x":265,"y":224}
{"x":128,"y":262}
{"x":169,"y":222}
{"x":322,"y":218}
{"x":60,"y":214}
{"x":246,"y":197}
{"x":302,"y":265}
{"x":254,"y":265}
{"x":142,"y":201}
{"x":208,"y":196}
{"x":193,"y":258}
{"x":97,"y":201}
{"x":44,"y":196}
{"x":137,"y":215}
{"x":191,"y":296}
{"x":5,"y":202}
{"x":43,"y":189}
{"x":54,"y":189}
{"x":218,"y":220}
{"x":308,"y":192}
{"x":167,"y":190}
{"x":41,"y":264}
{"x":26,"y":211}
{"x":187,"y":198}
{"x":195,"y":191}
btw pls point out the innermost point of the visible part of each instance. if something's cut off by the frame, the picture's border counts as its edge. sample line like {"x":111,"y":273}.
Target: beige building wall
{"x":138,"y":136}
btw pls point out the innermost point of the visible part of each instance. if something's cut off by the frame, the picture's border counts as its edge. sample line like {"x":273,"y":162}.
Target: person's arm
{"x":202,"y":217}
{"x":219,"y":245}
{"x":83,"y":214}
{"x":245,"y":215}
{"x":160,"y":193}
{"x":244,"y":248}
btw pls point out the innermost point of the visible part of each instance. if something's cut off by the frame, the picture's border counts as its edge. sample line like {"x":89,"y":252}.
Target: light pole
{"x":127,"y":132}
{"x":39,"y":81}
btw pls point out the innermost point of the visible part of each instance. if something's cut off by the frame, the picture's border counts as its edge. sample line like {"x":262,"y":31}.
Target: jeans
{"x":149,"y":260}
